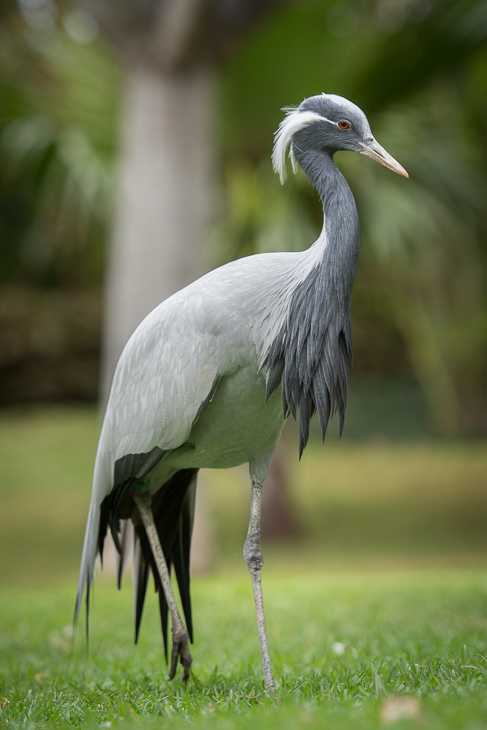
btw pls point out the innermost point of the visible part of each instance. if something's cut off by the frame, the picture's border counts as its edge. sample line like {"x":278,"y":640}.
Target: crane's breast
{"x":237,"y":426}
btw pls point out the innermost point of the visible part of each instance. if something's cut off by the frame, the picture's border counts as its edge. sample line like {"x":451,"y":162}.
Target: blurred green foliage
{"x":419,"y":70}
{"x":50,"y":345}
{"x":58,"y":102}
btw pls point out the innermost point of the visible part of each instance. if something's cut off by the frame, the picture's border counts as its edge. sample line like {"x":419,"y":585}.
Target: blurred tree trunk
{"x":279,"y":521}
{"x":165,"y":200}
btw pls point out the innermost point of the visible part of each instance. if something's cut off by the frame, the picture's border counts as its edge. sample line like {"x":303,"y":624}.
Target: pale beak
{"x":374,"y":150}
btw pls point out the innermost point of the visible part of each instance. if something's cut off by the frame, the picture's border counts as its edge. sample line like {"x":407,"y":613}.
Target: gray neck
{"x":341,"y":219}
{"x":311,"y":356}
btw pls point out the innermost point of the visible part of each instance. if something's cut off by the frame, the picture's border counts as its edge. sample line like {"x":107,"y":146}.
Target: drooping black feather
{"x":109,"y":518}
{"x":135,"y":465}
{"x":173,"y":511}
{"x":182,"y":549}
{"x":123,"y":557}
{"x":110,"y":515}
{"x":141,"y":577}
{"x":103,"y":526}
{"x":317,"y":364}
{"x":118,"y":504}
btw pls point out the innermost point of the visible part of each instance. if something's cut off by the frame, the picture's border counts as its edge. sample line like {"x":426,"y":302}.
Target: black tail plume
{"x":173,"y":511}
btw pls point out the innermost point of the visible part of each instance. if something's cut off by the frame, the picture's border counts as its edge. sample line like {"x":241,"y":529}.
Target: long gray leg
{"x":254,"y":559}
{"x":180,"y":639}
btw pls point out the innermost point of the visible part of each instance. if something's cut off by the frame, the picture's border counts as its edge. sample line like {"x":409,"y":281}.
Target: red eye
{"x":344,"y":125}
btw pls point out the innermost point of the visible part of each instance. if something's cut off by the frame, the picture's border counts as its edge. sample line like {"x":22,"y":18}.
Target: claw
{"x":180,"y":649}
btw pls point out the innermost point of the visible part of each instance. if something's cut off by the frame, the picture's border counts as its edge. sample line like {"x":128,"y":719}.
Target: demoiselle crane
{"x":211,"y":374}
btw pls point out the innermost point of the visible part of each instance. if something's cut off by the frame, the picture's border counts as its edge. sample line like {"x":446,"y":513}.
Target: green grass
{"x":414,"y":633}
{"x":390,"y":563}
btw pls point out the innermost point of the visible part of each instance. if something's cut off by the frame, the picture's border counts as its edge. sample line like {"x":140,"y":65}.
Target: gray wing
{"x":166,"y":374}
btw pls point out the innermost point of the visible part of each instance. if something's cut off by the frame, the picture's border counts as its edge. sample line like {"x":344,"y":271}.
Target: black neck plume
{"x":312,"y":355}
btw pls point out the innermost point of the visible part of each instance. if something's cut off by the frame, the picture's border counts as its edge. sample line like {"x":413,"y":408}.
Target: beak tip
{"x":380,"y":155}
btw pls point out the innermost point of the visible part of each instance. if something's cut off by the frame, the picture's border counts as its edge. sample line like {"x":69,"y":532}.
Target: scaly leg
{"x":253,"y":558}
{"x":180,"y":639}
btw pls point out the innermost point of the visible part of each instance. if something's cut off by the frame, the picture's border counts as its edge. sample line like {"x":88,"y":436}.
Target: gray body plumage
{"x":219,"y":329}
{"x":209,"y":376}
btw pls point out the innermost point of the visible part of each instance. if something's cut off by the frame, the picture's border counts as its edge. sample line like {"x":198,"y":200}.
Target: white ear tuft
{"x":292,"y":123}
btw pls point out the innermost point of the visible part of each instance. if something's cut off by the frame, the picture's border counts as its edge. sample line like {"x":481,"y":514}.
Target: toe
{"x":180,"y":649}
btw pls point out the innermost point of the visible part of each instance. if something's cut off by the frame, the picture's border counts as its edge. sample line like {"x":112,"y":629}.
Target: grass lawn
{"x":383,"y":595}
{"x":419,"y":634}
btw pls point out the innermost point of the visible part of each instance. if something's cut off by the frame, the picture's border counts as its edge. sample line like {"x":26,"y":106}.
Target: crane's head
{"x":327,"y":123}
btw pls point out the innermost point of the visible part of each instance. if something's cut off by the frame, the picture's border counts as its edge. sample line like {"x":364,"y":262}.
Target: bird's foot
{"x":180,"y":648}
